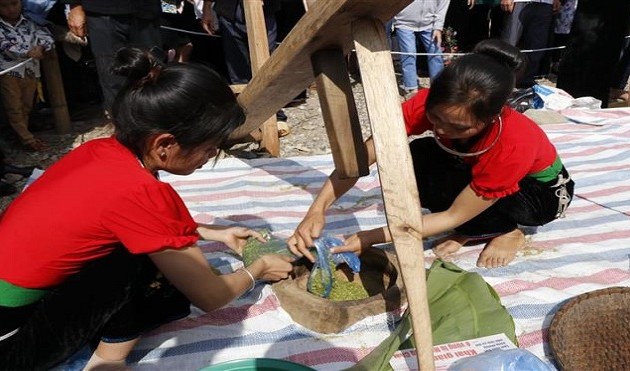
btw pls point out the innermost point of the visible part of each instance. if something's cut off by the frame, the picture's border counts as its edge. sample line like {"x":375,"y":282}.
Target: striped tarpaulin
{"x":587,"y":250}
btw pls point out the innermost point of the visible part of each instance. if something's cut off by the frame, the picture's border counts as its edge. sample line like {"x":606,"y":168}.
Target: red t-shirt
{"x":522,"y":149}
{"x":97,"y":195}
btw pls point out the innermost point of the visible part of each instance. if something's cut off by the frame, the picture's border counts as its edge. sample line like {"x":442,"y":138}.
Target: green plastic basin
{"x":259,"y":364}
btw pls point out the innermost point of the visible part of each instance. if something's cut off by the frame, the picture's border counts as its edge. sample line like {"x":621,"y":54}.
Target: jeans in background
{"x":407,"y":44}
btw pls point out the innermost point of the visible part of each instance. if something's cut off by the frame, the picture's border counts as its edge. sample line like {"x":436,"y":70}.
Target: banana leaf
{"x":462,"y":307}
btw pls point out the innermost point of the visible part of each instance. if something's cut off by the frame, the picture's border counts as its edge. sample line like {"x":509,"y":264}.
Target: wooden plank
{"x":288,"y":71}
{"x":395,"y":167}
{"x":56,"y":92}
{"x":238,"y":88}
{"x":340,"y":113}
{"x":259,"y":54}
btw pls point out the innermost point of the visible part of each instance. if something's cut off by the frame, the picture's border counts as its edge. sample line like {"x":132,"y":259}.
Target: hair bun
{"x":502,"y":52}
{"x":138,"y":66}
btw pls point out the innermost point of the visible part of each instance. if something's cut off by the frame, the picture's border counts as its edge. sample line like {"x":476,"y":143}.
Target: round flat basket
{"x":592,"y":331}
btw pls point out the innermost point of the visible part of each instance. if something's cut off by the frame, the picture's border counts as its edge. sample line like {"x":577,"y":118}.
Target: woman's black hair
{"x":190,"y":101}
{"x":481,"y":81}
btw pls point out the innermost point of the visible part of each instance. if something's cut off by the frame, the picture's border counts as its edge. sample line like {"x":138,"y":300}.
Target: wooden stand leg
{"x":400,"y":192}
{"x":259,"y":53}
{"x":340,"y":113}
{"x":56,"y":93}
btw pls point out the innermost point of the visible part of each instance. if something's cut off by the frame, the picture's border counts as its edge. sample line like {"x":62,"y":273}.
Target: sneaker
{"x":281,"y":116}
{"x":410,"y":93}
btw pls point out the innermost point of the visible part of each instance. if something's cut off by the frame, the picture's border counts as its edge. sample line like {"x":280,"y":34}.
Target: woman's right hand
{"x":207,"y":19}
{"x":272,"y":267}
{"x":309,"y":228}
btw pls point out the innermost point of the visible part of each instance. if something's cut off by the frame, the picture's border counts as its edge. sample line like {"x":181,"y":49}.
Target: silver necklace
{"x":468,"y":154}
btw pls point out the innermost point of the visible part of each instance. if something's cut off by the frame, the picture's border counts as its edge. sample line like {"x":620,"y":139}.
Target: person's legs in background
{"x":458,"y":17}
{"x":107,"y":35}
{"x":110,"y":33}
{"x":234,"y":41}
{"x":479,"y":26}
{"x":621,"y":74}
{"x":407,"y":45}
{"x":236,"y":48}
{"x":537,"y":19}
{"x":435,"y":61}
{"x":595,"y":41}
{"x":17,"y":96}
{"x":528,"y":27}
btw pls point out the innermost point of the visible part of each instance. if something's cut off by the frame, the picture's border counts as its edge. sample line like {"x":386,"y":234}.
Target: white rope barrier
{"x":397,"y":53}
{"x":187,"y":31}
{"x":428,"y":54}
{"x":4,"y":72}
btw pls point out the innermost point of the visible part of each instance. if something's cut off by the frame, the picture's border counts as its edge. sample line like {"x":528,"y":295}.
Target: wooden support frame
{"x":56,"y":92}
{"x":398,"y":184}
{"x":258,"y":54}
{"x":341,"y":25}
{"x":340,"y":113}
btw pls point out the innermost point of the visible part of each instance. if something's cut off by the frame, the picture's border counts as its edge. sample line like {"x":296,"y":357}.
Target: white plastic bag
{"x":501,"y":360}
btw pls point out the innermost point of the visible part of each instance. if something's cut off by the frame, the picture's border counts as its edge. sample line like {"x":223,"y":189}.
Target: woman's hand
{"x":507,"y":5}
{"x":37,"y":52}
{"x":234,"y":237}
{"x":272,"y":267}
{"x":362,"y":240}
{"x":207,"y":19}
{"x":309,"y":229}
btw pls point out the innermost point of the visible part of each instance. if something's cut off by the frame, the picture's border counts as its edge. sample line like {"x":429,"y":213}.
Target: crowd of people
{"x":171,"y":28}
{"x":124,"y":259}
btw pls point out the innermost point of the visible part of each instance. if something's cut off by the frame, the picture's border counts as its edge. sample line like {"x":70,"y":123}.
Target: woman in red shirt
{"x":99,"y":249}
{"x":485,"y":170}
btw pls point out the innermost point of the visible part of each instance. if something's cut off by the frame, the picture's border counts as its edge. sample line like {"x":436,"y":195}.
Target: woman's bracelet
{"x":251,"y":276}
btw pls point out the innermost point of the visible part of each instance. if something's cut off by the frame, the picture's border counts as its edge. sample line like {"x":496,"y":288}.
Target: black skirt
{"x":442,"y":176}
{"x":113,"y":299}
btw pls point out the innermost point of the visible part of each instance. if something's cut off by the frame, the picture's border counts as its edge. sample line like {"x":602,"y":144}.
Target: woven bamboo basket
{"x":592,"y":331}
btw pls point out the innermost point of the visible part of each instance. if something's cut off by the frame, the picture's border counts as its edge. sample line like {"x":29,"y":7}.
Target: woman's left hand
{"x":234,"y":237}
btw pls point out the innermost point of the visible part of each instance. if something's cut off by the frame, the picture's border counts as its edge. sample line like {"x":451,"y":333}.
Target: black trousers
{"x":471,"y":25}
{"x":235,"y":44}
{"x":115,"y":299}
{"x":108,"y":33}
{"x":441,"y":177}
{"x":595,"y":42}
{"x":528,"y":26}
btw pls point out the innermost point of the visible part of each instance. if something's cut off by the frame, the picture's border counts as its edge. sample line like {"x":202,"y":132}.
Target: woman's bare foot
{"x":501,"y":250}
{"x":449,"y":245}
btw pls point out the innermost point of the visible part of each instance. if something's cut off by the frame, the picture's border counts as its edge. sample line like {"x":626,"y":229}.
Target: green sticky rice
{"x":254,"y":249}
{"x":341,"y":290}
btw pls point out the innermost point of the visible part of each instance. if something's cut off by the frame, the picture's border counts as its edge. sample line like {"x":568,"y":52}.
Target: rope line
{"x":187,"y":31}
{"x":3,"y":72}
{"x":393,"y":52}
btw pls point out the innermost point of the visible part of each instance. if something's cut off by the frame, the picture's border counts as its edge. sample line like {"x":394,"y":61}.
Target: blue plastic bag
{"x":321,"y":269}
{"x":501,"y":360}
